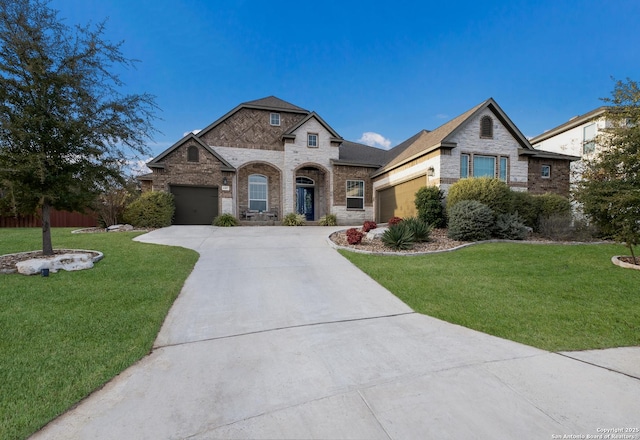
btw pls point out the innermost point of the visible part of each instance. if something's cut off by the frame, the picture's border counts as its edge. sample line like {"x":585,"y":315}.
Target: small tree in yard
{"x":65,"y":129}
{"x":610,"y":188}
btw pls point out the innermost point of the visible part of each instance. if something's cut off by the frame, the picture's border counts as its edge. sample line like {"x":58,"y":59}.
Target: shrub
{"x":225,"y":220}
{"x":510,"y":227}
{"x":368,"y":225}
{"x":493,"y":193}
{"x":151,"y":210}
{"x":420,"y":229}
{"x":429,"y":205}
{"x":394,"y":221}
{"x":554,"y":204}
{"x":527,"y":206}
{"x":328,"y":220}
{"x":293,"y":219}
{"x":470,"y":220}
{"x":398,"y":237}
{"x":354,"y":236}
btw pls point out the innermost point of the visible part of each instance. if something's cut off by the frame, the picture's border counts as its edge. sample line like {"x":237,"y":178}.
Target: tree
{"x":610,"y":187}
{"x":65,"y":128}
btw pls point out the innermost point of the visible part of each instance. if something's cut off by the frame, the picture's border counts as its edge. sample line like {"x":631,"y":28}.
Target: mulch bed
{"x":438,"y":242}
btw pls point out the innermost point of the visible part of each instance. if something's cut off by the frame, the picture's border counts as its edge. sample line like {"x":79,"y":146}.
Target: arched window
{"x":257,"y":192}
{"x":304,"y":181}
{"x":486,"y":127}
{"x":193,"y":154}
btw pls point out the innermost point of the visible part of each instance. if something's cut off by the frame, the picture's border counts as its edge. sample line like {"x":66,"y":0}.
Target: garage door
{"x":399,"y":200}
{"x":195,"y":205}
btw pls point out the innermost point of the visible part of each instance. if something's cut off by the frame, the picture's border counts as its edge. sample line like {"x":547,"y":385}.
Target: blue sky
{"x":390,"y":68}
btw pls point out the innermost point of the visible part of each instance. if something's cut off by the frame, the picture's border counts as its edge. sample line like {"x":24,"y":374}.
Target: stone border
{"x":95,"y":258}
{"x":616,"y":260}
{"x":412,"y":254}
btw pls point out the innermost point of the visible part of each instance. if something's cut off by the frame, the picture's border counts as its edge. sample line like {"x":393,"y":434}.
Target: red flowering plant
{"x":354,"y":236}
{"x":368,"y":225}
{"x":394,"y":221}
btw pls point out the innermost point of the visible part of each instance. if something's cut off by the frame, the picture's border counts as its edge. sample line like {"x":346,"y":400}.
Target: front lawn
{"x":64,"y":336}
{"x":554,"y":297}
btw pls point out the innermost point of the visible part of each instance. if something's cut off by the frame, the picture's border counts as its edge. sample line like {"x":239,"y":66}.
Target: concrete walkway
{"x":277,"y":336}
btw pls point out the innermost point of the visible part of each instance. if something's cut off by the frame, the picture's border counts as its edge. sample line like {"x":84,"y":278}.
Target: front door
{"x":304,"y":196}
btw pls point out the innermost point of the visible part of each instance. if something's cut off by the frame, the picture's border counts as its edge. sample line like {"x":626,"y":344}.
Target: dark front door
{"x":305,"y":201}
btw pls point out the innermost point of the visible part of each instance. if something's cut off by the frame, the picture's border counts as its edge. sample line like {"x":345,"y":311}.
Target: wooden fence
{"x":59,"y":219}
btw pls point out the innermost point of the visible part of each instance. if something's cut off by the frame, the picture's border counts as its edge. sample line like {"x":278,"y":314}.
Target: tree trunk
{"x":47,"y":247}
{"x":633,"y":255}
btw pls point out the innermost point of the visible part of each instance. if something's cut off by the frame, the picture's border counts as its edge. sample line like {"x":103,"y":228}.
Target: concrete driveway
{"x":277,"y":336}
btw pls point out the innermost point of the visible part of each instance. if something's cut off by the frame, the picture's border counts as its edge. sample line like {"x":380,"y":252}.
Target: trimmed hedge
{"x":470,"y":220}
{"x":429,"y":203}
{"x":493,"y":193}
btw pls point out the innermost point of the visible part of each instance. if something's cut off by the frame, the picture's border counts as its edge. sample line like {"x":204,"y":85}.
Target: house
{"x":266,"y":158}
{"x":576,"y":137}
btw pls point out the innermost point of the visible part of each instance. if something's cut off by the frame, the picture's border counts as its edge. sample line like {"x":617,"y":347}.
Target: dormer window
{"x":193,"y":154}
{"x":486,"y":127}
{"x":274,"y":119}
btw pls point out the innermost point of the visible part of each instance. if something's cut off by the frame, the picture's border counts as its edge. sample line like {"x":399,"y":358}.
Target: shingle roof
{"x":353,"y":153}
{"x":573,"y":122}
{"x":273,"y":103}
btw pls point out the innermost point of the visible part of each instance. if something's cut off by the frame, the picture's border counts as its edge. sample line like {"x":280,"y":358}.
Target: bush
{"x":354,"y":236}
{"x":328,"y":220}
{"x":429,"y":205}
{"x":293,"y":219}
{"x":553,"y":205}
{"x":510,"y":227}
{"x":493,"y":193}
{"x":225,"y":220}
{"x":398,"y":237}
{"x":394,"y":221}
{"x":420,"y":229}
{"x":368,"y":225}
{"x":151,"y":210}
{"x":470,"y":220}
{"x":527,"y":206}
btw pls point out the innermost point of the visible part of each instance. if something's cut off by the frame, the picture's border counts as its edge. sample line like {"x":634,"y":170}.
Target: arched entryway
{"x":311,"y":192}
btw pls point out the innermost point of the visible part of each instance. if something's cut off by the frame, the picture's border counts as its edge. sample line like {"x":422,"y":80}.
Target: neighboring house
{"x":576,"y":137}
{"x":267,"y":158}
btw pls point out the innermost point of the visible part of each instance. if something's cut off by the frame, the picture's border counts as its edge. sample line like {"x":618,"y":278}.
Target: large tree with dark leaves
{"x":610,"y":187}
{"x":65,"y":125}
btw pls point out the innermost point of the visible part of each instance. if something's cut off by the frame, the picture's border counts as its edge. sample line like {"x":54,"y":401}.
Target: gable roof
{"x":156,"y":162}
{"x":571,"y":123}
{"x":289,"y":133}
{"x":270,"y":103}
{"x":427,"y":141}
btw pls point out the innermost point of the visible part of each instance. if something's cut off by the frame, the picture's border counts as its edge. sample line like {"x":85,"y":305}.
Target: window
{"x":545,"y":171}
{"x":304,"y":181}
{"x":589,"y":143}
{"x":193,"y":155}
{"x":504,"y":163}
{"x":486,"y":127}
{"x":355,"y":194}
{"x":274,"y":119}
{"x":257,"y":192}
{"x":484,"y":166}
{"x":464,"y":166}
{"x":312,"y":140}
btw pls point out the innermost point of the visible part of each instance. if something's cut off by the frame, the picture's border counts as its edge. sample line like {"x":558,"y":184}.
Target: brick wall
{"x":274,"y":185}
{"x":557,"y":183}
{"x":250,"y":128}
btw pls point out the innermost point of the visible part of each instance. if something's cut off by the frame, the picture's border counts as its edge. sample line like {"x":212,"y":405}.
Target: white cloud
{"x":138,"y":167}
{"x":196,"y":131}
{"x":442,"y":116}
{"x":375,"y":140}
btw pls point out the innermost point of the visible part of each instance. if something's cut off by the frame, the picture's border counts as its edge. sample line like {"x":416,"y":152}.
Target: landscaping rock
{"x":68,"y":262}
{"x":376,"y":234}
{"x":119,"y":228}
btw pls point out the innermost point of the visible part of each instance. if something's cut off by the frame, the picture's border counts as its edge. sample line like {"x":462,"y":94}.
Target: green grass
{"x":555,"y":297}
{"x":64,"y":336}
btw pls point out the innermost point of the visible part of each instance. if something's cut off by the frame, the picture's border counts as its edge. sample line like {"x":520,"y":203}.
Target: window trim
{"x":486,"y":131}
{"x":266,"y":192}
{"x":193,"y":154}
{"x":309,"y":135}
{"x":506,"y":168}
{"x":542,"y":174}
{"x":468,"y":158}
{"x":274,"y":119}
{"x":495,"y":164}
{"x":348,"y":197}
{"x":498,"y":162}
{"x":588,"y":144}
